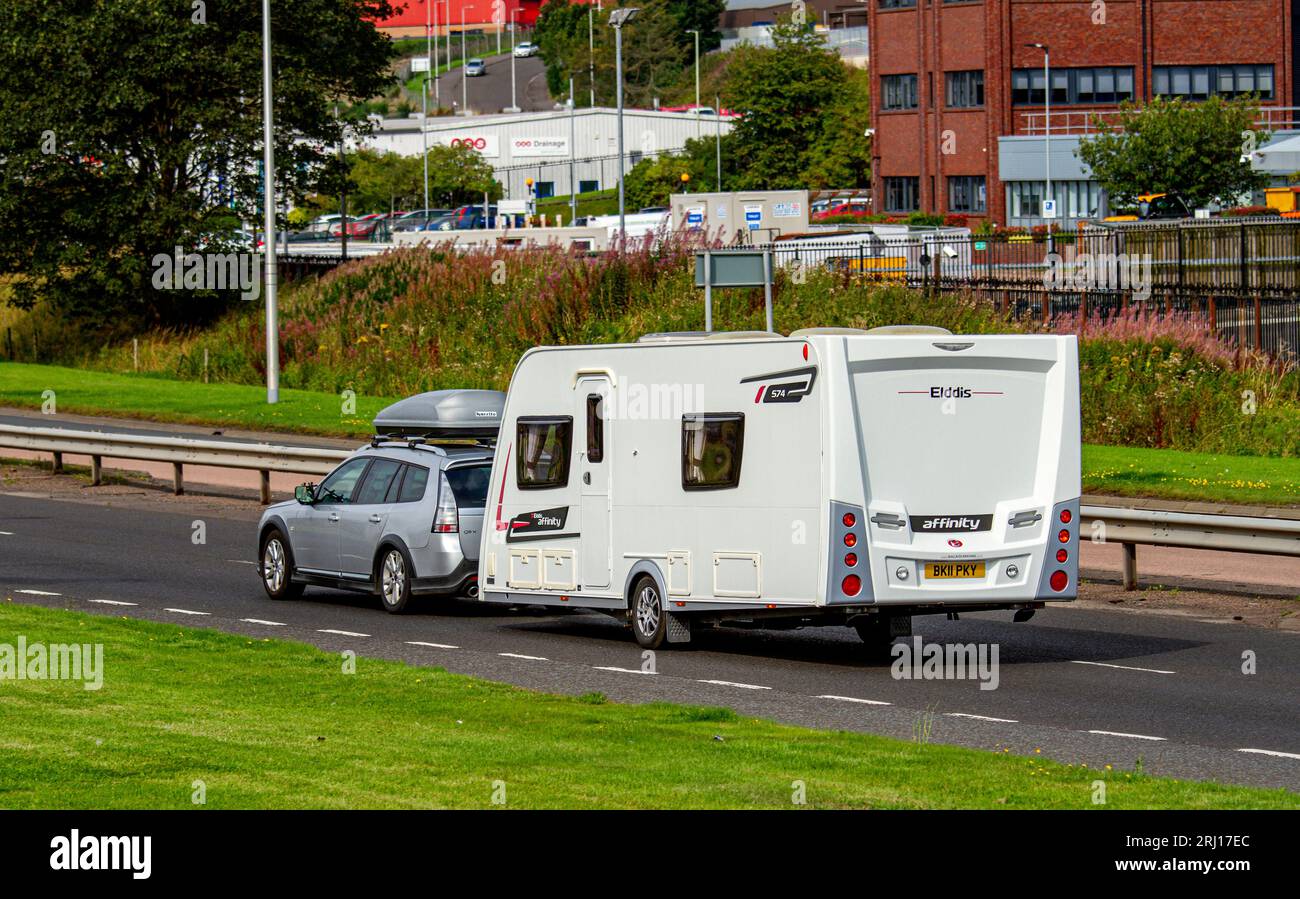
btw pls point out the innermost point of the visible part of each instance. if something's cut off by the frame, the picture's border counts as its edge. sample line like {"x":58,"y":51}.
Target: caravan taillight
{"x":1063,"y":536}
{"x":1062,"y":556}
{"x":1060,"y":580}
{"x":851,"y":560}
{"x":446,"y":520}
{"x":851,"y":585}
{"x":850,"y":519}
{"x":850,"y":539}
{"x":1066,"y":516}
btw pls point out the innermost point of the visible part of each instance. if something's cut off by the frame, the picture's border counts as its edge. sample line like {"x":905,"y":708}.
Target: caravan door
{"x":593,"y":393}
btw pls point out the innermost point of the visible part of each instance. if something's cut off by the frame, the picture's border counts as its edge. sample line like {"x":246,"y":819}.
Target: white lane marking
{"x":1111,"y":733}
{"x":261,"y":621}
{"x":241,"y":561}
{"x":620,"y":670}
{"x":1122,"y":667}
{"x":1281,"y":755}
{"x":326,"y":630}
{"x":186,"y":612}
{"x":38,"y":593}
{"x":728,"y":683}
{"x":853,"y":699}
{"x":981,"y":718}
{"x":431,"y":645}
{"x":6,"y":533}
{"x":515,"y":655}
{"x":112,"y":602}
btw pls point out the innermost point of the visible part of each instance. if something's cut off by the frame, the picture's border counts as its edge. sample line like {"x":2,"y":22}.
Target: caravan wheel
{"x":646,"y":611}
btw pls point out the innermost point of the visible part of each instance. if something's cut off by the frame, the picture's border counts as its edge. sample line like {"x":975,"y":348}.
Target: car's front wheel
{"x":277,"y":567}
{"x":394,"y":580}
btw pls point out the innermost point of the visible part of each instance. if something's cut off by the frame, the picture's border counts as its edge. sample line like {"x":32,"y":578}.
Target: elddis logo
{"x":944,"y":393}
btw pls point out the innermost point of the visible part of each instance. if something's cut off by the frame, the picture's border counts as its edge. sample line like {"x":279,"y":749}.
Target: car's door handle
{"x":375,"y":519}
{"x":334,"y":516}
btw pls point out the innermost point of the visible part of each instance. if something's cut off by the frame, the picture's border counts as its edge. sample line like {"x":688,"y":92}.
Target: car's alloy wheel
{"x":394,"y":582}
{"x":277,"y":568}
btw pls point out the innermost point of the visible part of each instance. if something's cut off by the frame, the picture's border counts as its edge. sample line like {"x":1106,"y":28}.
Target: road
{"x":490,"y":93}
{"x":1083,"y":686}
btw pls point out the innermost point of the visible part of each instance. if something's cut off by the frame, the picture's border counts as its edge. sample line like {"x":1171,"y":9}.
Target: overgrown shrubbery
{"x":417,"y":320}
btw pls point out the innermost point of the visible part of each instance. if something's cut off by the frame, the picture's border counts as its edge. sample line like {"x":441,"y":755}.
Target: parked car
{"x":398,"y":518}
{"x":475,"y":67}
{"x":854,"y":207}
{"x":418,"y":220}
{"x":363,"y":226}
{"x":525,"y":49}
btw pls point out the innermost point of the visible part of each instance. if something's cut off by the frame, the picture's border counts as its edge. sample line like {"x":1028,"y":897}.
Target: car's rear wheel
{"x":649,"y":618}
{"x":394,"y":580}
{"x":277,"y":567}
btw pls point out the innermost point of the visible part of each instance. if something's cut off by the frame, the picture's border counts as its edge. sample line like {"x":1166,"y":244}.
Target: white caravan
{"x":833,"y":476}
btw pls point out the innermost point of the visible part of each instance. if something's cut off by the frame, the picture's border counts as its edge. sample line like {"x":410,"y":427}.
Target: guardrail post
{"x":58,"y":464}
{"x":1130,"y":566}
{"x":265,"y":477}
{"x":96,"y":470}
{"x":178,"y":480}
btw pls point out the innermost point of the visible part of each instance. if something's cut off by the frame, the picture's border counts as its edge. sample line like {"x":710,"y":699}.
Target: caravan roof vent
{"x":828,"y":332}
{"x":904,"y":330}
{"x":672,"y":336}
{"x":466,"y":414}
{"x":745,"y":335}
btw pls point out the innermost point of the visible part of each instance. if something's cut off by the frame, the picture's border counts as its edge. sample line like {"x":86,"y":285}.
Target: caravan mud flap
{"x":679,"y":628}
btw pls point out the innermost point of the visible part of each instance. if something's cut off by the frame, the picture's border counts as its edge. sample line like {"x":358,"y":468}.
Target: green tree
{"x":701,"y":15}
{"x":459,"y":175}
{"x":139,"y":130}
{"x":1171,"y":146}
{"x":802,"y":114}
{"x":651,"y":182}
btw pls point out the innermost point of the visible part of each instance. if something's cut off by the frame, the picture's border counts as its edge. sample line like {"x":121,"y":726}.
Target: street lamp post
{"x":1047,"y":130}
{"x":696,"y":32}
{"x":464,"y":60}
{"x":591,"y":52}
{"x":573,"y":144}
{"x":268,"y":210}
{"x":514,"y":103}
{"x":717,"y":111}
{"x":617,"y":19}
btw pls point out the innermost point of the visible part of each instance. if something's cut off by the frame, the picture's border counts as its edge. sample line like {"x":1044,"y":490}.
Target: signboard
{"x":695,"y":217}
{"x":731,"y":268}
{"x":539,"y":146}
{"x":787,"y":210}
{"x":722,"y":210}
{"x":1049,"y":209}
{"x":487,"y":145}
{"x":419,"y":64}
{"x":753,"y":217}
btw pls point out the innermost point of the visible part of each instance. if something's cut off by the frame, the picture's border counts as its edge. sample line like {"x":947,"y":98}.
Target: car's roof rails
{"x":410,"y":442}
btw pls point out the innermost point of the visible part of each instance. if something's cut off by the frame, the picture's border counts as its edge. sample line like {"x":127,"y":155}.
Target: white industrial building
{"x":540,"y":145}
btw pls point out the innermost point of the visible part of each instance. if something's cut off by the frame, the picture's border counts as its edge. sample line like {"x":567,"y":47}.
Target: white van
{"x":830,"y":477}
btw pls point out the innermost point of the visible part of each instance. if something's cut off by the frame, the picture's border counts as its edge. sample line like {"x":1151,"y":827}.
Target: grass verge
{"x":1120,"y":471}
{"x":272,"y":724}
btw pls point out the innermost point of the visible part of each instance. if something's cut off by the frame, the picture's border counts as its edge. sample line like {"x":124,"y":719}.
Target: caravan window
{"x":595,"y":430}
{"x":711,"y":450}
{"x":542,"y":457}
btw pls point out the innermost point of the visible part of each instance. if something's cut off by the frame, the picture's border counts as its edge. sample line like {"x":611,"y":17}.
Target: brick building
{"x":958,"y":93}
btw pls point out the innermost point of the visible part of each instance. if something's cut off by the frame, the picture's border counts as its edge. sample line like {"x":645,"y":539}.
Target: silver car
{"x":398,"y":518}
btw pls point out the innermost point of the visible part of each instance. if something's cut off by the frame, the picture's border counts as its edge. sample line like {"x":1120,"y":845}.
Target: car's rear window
{"x":469,"y":484}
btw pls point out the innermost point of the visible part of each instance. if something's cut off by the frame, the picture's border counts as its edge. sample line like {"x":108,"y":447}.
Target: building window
{"x":963,"y":90}
{"x":711,"y":450}
{"x":586,"y":187}
{"x":542,"y":452}
{"x":1074,"y":200}
{"x":1203,"y":82}
{"x":966,"y":194}
{"x":897,"y":4}
{"x":544,"y":189}
{"x":902,"y":194}
{"x":898,"y":92}
{"x":1099,"y":85}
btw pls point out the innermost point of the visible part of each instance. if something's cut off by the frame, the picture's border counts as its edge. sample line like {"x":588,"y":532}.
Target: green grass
{"x":160,"y":399}
{"x":1121,"y":471}
{"x":271,"y":724}
{"x":1205,"y":477}
{"x":596,"y":202}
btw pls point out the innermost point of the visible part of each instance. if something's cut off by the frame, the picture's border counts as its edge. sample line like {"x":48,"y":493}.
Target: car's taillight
{"x":446,"y":520}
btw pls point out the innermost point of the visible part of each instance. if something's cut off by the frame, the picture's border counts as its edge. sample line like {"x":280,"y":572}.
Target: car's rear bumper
{"x":457,"y":582}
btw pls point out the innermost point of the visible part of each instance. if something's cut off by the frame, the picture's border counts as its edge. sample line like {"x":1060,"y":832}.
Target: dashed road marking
{"x":515,"y":655}
{"x":853,"y":699}
{"x":1122,"y":667}
{"x":262,"y":621}
{"x":38,"y":593}
{"x":241,"y":561}
{"x":728,"y":683}
{"x":6,"y":533}
{"x":1281,"y":755}
{"x":186,"y":612}
{"x":1111,"y":733}
{"x":981,"y":718}
{"x":113,"y":602}
{"x":621,"y":670}
{"x":326,"y":630}
{"x":431,"y":645}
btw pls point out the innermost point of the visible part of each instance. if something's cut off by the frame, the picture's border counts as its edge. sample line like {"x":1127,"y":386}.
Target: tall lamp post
{"x":617,"y":19}
{"x":1047,"y":131}
{"x":514,"y":103}
{"x":696,"y":32}
{"x":591,"y":52}
{"x":464,"y":59}
{"x":268,"y":209}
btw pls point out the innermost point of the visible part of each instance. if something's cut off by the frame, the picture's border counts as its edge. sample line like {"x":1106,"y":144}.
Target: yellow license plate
{"x":949,"y":570}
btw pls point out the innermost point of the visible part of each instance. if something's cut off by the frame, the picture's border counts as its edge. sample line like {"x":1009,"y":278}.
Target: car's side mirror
{"x":305,"y":494}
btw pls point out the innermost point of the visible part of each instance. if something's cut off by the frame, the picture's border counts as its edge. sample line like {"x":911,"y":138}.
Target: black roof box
{"x":444,"y":413}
